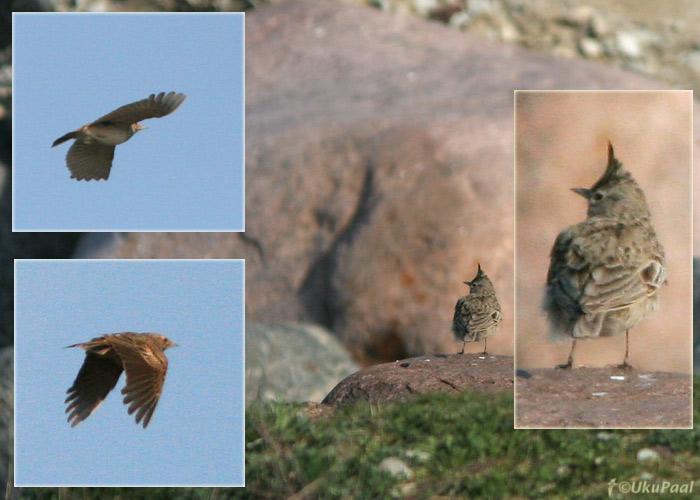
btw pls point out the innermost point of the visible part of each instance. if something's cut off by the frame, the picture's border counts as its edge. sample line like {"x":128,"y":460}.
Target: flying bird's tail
{"x":62,"y":139}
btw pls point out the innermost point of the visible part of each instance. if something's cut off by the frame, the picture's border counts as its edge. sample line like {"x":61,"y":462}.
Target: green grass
{"x":456,"y":446}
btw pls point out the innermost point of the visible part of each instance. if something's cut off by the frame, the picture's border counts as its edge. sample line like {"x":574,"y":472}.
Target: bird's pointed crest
{"x":614,"y":172}
{"x":479,"y":274}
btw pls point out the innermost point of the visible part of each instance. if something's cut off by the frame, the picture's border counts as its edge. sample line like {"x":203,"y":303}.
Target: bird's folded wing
{"x":483,"y":320}
{"x":611,"y":288}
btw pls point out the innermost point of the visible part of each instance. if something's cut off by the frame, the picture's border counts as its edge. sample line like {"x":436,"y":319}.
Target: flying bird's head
{"x":161,"y":341}
{"x":135,"y":127}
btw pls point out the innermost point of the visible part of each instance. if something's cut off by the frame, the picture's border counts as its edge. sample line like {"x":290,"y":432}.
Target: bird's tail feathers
{"x":62,"y":139}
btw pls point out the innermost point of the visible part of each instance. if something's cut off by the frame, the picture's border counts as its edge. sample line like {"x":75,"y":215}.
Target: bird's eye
{"x":597,"y":196}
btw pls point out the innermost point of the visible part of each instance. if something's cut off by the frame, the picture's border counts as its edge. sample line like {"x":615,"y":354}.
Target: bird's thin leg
{"x":462,"y":351}
{"x":625,"y":365}
{"x":484,"y":353}
{"x":570,"y":361}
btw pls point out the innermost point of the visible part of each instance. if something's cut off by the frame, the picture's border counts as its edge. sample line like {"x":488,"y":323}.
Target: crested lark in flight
{"x":90,"y":156}
{"x":106,"y":357}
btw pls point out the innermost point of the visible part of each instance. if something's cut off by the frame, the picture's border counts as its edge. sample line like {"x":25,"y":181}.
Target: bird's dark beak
{"x":586,"y":193}
{"x":469,"y":283}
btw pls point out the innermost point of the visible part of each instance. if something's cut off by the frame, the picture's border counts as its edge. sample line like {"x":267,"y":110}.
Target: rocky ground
{"x":408,"y":378}
{"x":607,"y":398}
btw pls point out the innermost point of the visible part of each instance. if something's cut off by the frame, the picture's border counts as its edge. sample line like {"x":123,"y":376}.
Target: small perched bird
{"x":605,"y":272}
{"x":106,"y":357}
{"x":477,"y":315}
{"x":91,"y":155}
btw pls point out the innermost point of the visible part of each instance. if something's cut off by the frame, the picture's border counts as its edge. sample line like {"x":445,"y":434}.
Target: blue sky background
{"x":185,"y":172}
{"x":196,"y":435}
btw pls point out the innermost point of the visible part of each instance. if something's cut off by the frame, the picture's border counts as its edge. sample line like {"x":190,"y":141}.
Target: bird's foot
{"x":625,"y":366}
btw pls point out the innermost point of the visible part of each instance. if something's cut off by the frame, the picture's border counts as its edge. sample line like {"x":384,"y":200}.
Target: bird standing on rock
{"x":90,"y":156}
{"x":605,"y":272}
{"x":477,"y":315}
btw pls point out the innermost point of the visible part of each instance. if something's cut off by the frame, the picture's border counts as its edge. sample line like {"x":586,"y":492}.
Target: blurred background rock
{"x":409,"y":125}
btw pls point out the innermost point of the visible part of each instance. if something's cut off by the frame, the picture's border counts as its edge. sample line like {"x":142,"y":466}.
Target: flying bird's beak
{"x":586,"y":193}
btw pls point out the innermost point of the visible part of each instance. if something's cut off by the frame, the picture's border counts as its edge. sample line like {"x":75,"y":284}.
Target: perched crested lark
{"x":477,"y":315}
{"x":605,"y":272}
{"x":106,"y":357}
{"x":91,"y":155}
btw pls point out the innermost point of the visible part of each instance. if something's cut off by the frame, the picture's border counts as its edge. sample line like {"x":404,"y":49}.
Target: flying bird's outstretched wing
{"x":154,"y":106}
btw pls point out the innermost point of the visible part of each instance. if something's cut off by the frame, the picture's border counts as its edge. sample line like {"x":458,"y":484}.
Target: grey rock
{"x":629,"y":45}
{"x":647,"y":455}
{"x":396,"y":467}
{"x":590,"y":47}
{"x":460,"y":19}
{"x":292,"y":362}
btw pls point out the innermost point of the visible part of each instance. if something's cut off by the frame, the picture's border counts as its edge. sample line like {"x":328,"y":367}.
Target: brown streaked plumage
{"x":605,"y":272}
{"x":477,"y":315}
{"x":139,"y":354}
{"x":90,"y":156}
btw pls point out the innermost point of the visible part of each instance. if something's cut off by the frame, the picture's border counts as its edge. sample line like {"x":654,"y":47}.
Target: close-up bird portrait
{"x":90,"y":156}
{"x":140,"y":355}
{"x":604,"y":253}
{"x":605,"y":272}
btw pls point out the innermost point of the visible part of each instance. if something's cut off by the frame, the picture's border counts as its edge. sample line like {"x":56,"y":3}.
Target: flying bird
{"x":90,"y":156}
{"x":106,"y":357}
